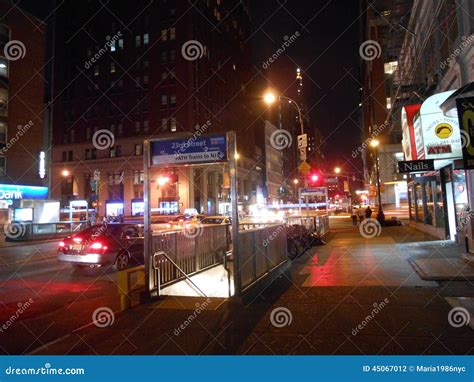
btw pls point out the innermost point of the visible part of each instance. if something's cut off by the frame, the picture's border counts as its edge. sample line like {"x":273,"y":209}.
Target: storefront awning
{"x":463,"y":91}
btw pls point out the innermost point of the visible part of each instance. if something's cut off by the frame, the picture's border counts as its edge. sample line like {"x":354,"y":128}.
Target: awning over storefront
{"x":450,"y":102}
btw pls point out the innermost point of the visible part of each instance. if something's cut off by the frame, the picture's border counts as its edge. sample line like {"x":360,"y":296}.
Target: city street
{"x":55,"y":298}
{"x":324,"y":301}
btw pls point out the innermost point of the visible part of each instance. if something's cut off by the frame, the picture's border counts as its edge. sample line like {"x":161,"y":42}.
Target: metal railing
{"x":187,"y":253}
{"x":260,"y":251}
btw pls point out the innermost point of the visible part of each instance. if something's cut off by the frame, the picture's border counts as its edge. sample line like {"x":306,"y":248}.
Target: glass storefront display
{"x":429,"y":213}
{"x":439,"y":206}
{"x":420,"y":213}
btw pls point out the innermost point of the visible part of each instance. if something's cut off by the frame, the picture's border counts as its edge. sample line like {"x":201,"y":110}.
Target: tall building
{"x":381,"y":36}
{"x":23,"y":137}
{"x":149,"y":69}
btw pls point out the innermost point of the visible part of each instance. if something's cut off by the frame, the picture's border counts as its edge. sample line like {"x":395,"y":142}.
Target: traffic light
{"x":314,"y":178}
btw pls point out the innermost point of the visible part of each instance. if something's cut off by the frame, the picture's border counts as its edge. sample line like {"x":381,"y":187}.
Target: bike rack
{"x":157,"y":272}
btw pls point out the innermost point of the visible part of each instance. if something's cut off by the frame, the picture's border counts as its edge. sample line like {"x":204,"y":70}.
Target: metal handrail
{"x":163,"y":253}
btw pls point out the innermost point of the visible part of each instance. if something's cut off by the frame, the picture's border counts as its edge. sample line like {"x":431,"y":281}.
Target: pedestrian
{"x":354,"y":214}
{"x":368,"y":212}
{"x":360,"y":214}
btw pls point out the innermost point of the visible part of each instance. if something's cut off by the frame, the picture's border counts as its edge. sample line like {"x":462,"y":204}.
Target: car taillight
{"x":96,"y":245}
{"x":77,"y":239}
{"x":61,"y":244}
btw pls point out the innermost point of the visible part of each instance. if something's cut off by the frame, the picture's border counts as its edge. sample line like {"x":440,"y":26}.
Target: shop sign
{"x":408,"y":131}
{"x":465,"y":108}
{"x":415,"y":166}
{"x":192,"y":150}
{"x":315,"y":191}
{"x":441,"y":137}
{"x":18,"y":192}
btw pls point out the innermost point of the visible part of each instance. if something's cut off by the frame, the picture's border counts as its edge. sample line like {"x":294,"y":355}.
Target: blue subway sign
{"x":18,"y":192}
{"x":192,"y":150}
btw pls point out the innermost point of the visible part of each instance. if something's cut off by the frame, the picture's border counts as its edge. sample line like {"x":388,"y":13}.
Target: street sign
{"x":302,"y":141}
{"x":192,"y":150}
{"x":415,"y":166}
{"x":314,"y":191}
{"x":304,"y":168}
{"x":465,"y":106}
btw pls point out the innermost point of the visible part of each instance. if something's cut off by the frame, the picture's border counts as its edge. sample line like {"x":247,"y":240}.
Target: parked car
{"x":216,"y":220}
{"x":105,"y":244}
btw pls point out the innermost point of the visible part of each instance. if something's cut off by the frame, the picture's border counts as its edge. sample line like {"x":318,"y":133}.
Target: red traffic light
{"x":314,"y":178}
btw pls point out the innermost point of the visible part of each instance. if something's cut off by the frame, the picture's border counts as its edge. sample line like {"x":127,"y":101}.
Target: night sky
{"x":327,"y":52}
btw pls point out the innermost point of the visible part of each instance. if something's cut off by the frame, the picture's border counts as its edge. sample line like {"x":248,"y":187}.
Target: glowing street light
{"x":269,"y":98}
{"x":65,"y":173}
{"x":337,"y":170}
{"x":237,"y":156}
{"x":296,"y":181}
{"x":374,"y":142}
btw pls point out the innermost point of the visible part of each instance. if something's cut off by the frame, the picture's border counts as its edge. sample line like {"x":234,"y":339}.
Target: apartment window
{"x":137,"y":127}
{"x":120,"y":43}
{"x":137,"y":41}
{"x":164,"y":34}
{"x":3,"y":67}
{"x":88,"y":133}
{"x":3,"y":166}
{"x":389,"y":103}
{"x":172,"y":55}
{"x":164,"y":57}
{"x":173,"y":124}
{"x":69,"y":155}
{"x":138,"y":149}
{"x":96,"y":70}
{"x":3,"y":134}
{"x":145,"y":126}
{"x":145,"y":80}
{"x":172,"y":33}
{"x":120,"y":130}
{"x":173,"y":99}
{"x":172,"y":12}
{"x":73,"y":136}
{"x":146,"y":39}
{"x":164,"y":124}
{"x":3,"y":102}
{"x":146,"y":64}
{"x":112,"y":67}
{"x":90,"y":153}
{"x":138,"y":177}
{"x":390,"y":67}
{"x":64,"y":156}
{"x":115,"y":151}
{"x":137,"y":82}
{"x":113,"y":46}
{"x":164,"y":100}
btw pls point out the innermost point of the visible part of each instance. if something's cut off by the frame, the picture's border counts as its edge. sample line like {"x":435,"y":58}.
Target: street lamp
{"x":296,"y":181}
{"x":270,"y":98}
{"x":375,"y":144}
{"x":337,"y":170}
{"x":65,"y":173}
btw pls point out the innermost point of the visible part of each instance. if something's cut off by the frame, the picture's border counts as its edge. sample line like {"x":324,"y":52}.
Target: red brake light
{"x":77,"y":239}
{"x":61,"y":244}
{"x":96,"y":245}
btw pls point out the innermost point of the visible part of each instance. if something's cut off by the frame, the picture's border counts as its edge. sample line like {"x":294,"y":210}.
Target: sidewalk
{"x":352,"y":296}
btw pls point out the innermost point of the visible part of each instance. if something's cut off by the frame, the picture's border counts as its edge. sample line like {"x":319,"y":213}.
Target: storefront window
{"x":411,"y":209}
{"x":439,"y":204}
{"x":460,"y":193}
{"x":419,"y":203}
{"x":429,"y":216}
